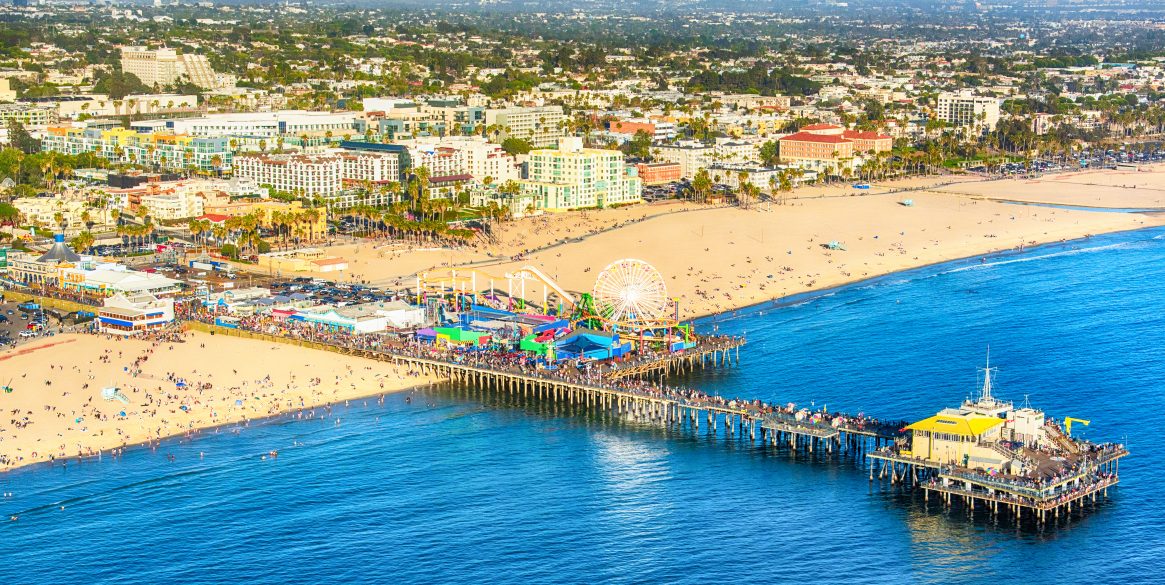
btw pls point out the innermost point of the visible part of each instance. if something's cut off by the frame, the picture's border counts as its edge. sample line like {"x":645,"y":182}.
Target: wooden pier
{"x":632,"y":390}
{"x":645,"y":402}
{"x":998,"y":495}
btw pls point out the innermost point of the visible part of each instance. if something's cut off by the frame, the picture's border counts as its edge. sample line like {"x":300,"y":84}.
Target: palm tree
{"x":83,"y":241}
{"x":702,"y":186}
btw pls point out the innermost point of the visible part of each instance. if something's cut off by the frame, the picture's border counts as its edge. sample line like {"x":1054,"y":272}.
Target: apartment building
{"x":658,"y":131}
{"x":172,"y":205}
{"x":659,"y":173}
{"x":309,"y":175}
{"x":43,"y":211}
{"x":165,"y":67}
{"x":162,"y":149}
{"x":475,"y":156}
{"x":573,"y":177}
{"x":540,"y":126}
{"x":28,"y":115}
{"x":691,"y":155}
{"x":441,"y":161}
{"x":966,"y":109}
{"x":370,"y":167}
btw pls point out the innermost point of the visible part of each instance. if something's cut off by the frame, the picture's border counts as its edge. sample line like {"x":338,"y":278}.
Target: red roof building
{"x":832,"y":144}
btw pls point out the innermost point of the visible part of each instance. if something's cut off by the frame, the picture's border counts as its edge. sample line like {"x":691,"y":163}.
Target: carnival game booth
{"x":453,"y":336}
{"x":591,"y":344}
{"x":354,"y":319}
{"x":535,"y":344}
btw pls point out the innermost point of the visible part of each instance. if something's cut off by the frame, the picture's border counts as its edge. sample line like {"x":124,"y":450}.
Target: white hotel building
{"x":967,"y":109}
{"x":323,"y":175}
{"x":477,"y":157}
{"x":540,"y":126}
{"x":309,"y":175}
{"x":370,"y":167}
{"x":265,"y":124}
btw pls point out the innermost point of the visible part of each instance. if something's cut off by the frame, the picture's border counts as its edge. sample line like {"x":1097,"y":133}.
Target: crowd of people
{"x":596,"y":374}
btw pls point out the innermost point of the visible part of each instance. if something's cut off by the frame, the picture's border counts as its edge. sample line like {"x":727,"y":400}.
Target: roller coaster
{"x":628,"y":299}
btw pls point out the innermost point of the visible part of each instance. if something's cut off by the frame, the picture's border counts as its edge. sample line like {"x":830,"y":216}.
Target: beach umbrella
{"x":181,"y":384}
{"x":238,"y":403}
{"x":122,"y":413}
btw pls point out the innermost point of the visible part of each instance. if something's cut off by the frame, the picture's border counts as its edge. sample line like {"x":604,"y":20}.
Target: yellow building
{"x":963,"y":438}
{"x":302,"y":260}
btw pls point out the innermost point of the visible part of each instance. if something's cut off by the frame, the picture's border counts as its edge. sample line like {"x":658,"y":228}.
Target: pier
{"x":1064,"y":476}
{"x":631,"y":392}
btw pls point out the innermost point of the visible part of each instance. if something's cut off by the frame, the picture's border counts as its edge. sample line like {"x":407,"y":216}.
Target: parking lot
{"x":14,"y":323}
{"x":332,"y":293}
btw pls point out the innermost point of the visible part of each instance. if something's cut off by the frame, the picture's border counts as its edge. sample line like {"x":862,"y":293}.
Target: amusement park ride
{"x":629,"y":297}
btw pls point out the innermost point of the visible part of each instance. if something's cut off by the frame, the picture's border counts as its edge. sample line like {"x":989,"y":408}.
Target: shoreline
{"x":808,"y":295}
{"x":198,"y":432}
{"x":173,"y":389}
{"x":242,"y":420}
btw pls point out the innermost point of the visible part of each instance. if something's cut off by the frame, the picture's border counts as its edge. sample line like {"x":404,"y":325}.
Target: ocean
{"x":455,"y":486}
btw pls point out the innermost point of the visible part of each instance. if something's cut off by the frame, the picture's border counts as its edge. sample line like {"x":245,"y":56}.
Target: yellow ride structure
{"x":1068,"y":423}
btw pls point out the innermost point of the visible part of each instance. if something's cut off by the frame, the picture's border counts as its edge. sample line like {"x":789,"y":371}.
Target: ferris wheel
{"x":631,"y":291}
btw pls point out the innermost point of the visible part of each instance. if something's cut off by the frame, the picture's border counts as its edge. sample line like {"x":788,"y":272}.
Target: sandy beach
{"x":56,"y":409}
{"x":724,"y":258}
{"x":1129,"y":189}
{"x":713,"y":259}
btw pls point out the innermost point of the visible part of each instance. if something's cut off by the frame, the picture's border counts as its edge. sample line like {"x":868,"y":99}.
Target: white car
{"x":27,"y":333}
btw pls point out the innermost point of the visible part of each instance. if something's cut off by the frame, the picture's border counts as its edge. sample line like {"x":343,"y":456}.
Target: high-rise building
{"x":165,"y":67}
{"x":573,"y":177}
{"x":967,"y":109}
{"x":540,"y":126}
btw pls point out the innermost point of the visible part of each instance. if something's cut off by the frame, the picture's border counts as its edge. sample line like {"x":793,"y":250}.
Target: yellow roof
{"x":969,"y":426}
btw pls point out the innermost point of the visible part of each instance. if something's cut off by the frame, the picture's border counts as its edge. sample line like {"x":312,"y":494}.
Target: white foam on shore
{"x":1062,"y":253}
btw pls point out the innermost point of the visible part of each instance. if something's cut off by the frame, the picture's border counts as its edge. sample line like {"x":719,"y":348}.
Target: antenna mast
{"x":986,"y":394}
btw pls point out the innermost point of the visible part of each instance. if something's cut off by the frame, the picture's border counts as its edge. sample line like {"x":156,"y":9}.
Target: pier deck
{"x":628,"y":389}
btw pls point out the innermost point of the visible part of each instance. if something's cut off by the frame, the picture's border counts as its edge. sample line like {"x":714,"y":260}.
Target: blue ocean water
{"x":458,"y":487}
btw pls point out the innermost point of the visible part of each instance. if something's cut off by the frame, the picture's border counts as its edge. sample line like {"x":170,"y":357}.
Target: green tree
{"x":514,"y":146}
{"x":20,"y":139}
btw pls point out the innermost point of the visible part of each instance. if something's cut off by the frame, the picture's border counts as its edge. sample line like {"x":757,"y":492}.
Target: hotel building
{"x":121,"y":145}
{"x":573,"y":177}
